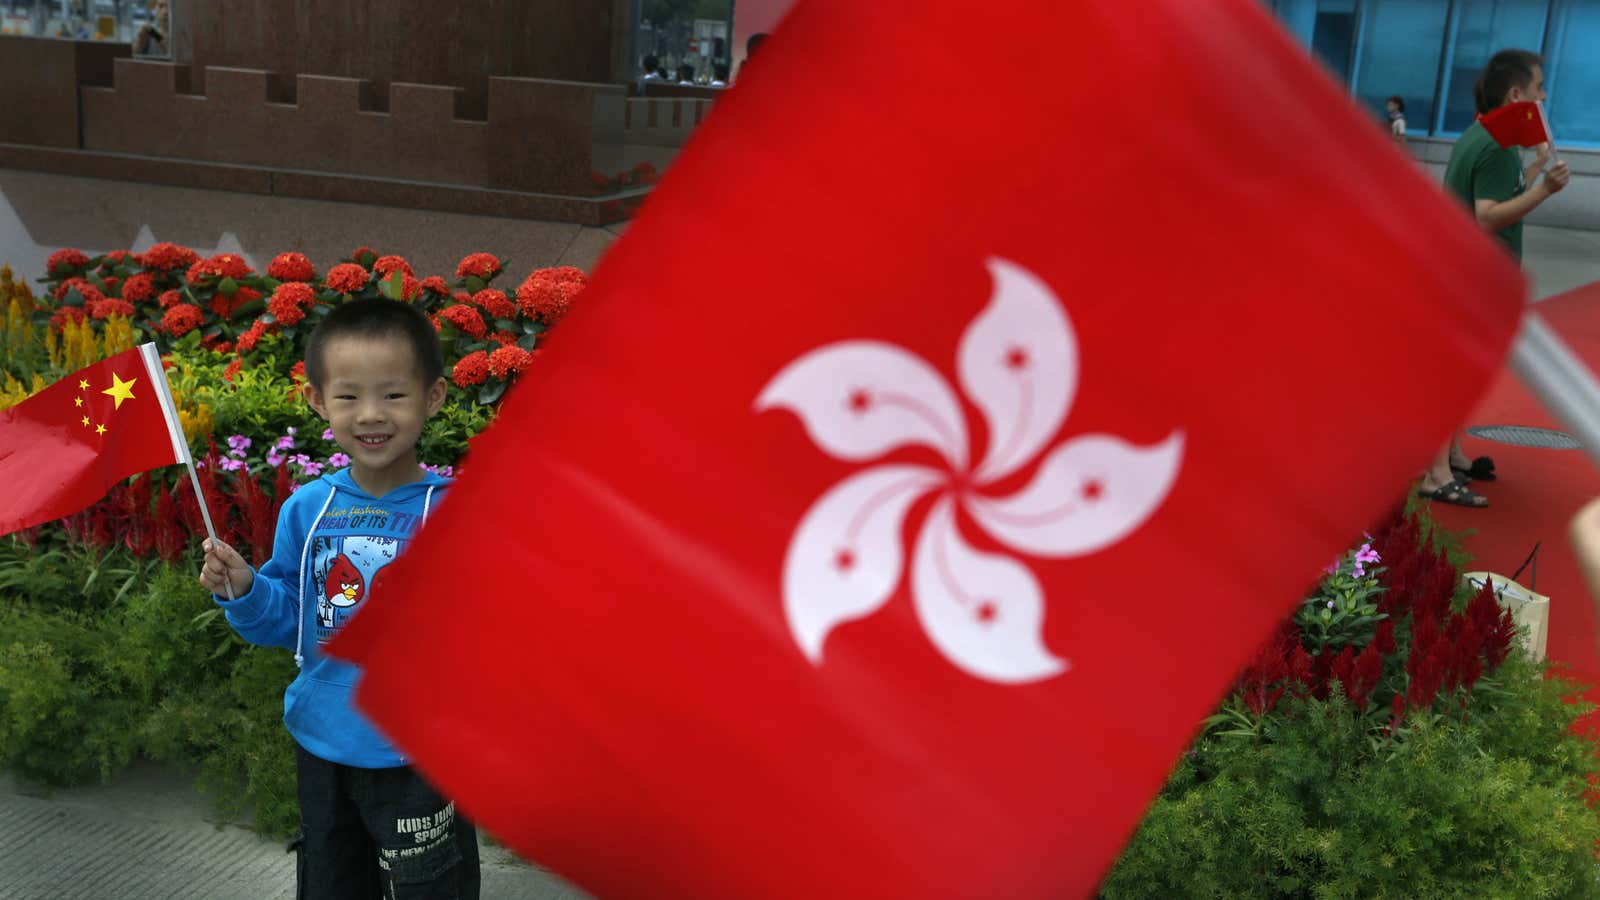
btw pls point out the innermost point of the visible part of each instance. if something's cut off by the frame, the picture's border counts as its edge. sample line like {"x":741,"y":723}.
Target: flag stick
{"x":1560,"y":381}
{"x":1549,"y":136}
{"x":180,"y":444}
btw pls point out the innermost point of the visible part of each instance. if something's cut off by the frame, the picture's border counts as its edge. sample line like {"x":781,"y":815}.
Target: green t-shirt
{"x":1480,"y":169}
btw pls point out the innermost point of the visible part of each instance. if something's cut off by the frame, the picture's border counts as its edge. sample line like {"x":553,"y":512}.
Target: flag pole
{"x":1549,"y":136}
{"x":180,"y":444}
{"x":1560,"y":381}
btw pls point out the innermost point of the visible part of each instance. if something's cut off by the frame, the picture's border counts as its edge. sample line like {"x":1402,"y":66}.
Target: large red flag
{"x":66,"y":446}
{"x":916,"y":472}
{"x":1516,"y":125}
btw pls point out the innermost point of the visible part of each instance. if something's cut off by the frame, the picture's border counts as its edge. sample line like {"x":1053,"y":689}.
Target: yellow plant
{"x":17,"y":329}
{"x":196,"y":422}
{"x":81,"y":346}
{"x":11,"y":392}
{"x":119,"y":335}
{"x":52,"y":348}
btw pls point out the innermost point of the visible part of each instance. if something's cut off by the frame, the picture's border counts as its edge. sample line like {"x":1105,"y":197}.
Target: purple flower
{"x":1367,"y":555}
{"x":1358,"y":571}
{"x":327,"y":434}
{"x":339,"y":460}
{"x":274,"y":458}
{"x":239,"y":442}
{"x":232,"y":465}
{"x":306,"y":465}
{"x":1330,"y":604}
{"x":284,"y":443}
{"x":293,"y":488}
{"x":1333,"y":567}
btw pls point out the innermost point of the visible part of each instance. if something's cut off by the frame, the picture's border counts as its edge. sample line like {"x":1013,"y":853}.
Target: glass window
{"x":1401,"y":41}
{"x":1572,"y":74}
{"x":1483,"y":28}
{"x":1327,"y":27}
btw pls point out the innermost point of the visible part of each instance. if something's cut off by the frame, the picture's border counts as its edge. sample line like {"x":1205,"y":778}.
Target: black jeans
{"x":380,"y":833}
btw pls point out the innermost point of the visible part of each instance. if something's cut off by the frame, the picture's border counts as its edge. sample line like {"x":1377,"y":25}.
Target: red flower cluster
{"x":169,"y":257}
{"x":1281,"y":662}
{"x":437,"y":285}
{"x":547,"y":294}
{"x":290,"y":302}
{"x":503,"y":338}
{"x":348,"y":278}
{"x":253,"y":335}
{"x":89,"y":292}
{"x":471,"y":369}
{"x":232,"y":369}
{"x":168,"y":299}
{"x":466,"y":320}
{"x":1358,"y":674}
{"x":495,"y":303}
{"x":291,"y":267}
{"x":362,"y":253}
{"x":65,"y":314}
{"x":182,"y":319}
{"x":297,"y":372}
{"x":63,"y":261}
{"x":507,"y":361}
{"x":645,"y":173}
{"x":105,"y":308}
{"x":384,"y":266}
{"x":216,"y":268}
{"x":410,"y":287}
{"x":117,"y":258}
{"x":139,"y":288}
{"x":483,"y":265}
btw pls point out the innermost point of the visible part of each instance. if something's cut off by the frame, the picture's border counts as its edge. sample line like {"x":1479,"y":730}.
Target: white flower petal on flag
{"x":984,"y":612}
{"x":845,"y":559}
{"x":1018,"y":362}
{"x":1089,"y":493}
{"x":860,"y":399}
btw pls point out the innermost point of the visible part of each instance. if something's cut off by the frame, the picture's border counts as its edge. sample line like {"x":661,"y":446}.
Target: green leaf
{"x":506,"y":325}
{"x":212,"y":332}
{"x":489,"y":393}
{"x":475,"y":284}
{"x":528,"y":341}
{"x":391,"y":287}
{"x":124,"y":271}
{"x":270,"y":319}
{"x":250,"y":310}
{"x":95,"y":279}
{"x":73,"y":298}
{"x":367,"y":259}
{"x":227,"y":287}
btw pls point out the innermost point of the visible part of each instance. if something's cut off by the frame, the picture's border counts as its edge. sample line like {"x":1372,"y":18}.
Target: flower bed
{"x":1389,"y":741}
{"x":109,"y":648}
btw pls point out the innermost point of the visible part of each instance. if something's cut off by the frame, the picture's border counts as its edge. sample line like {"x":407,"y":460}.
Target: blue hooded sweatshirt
{"x":332,"y":544}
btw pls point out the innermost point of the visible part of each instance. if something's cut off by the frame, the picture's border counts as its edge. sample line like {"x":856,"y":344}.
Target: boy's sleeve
{"x":1498,"y":176}
{"x":268,"y":614}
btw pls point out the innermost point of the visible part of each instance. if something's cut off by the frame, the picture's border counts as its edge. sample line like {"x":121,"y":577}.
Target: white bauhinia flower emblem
{"x":858,"y":400}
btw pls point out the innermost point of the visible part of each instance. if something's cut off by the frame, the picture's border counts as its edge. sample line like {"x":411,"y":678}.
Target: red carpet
{"x":1536,"y":496}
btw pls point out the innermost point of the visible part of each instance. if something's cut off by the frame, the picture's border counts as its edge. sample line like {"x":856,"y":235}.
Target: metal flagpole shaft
{"x":1559,"y":380}
{"x":1549,"y":136}
{"x":180,"y":446}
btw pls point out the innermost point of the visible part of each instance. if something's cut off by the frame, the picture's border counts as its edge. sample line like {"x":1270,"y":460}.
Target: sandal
{"x":1481,"y":469}
{"x":1456,"y":492}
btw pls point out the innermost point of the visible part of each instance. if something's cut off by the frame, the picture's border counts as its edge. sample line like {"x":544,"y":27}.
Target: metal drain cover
{"x":1523,"y":436}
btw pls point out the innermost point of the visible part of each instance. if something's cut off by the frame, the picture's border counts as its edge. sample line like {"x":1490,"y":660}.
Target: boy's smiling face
{"x":374,"y":399}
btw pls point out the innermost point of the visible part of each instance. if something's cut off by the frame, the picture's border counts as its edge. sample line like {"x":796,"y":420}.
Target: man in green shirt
{"x":1493,"y":183}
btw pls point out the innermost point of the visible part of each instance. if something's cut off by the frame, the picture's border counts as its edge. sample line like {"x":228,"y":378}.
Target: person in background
{"x":1499,"y":192}
{"x":719,"y":74}
{"x":750,"y":47}
{"x":686,"y":74}
{"x":152,"y":37}
{"x":1397,"y":119}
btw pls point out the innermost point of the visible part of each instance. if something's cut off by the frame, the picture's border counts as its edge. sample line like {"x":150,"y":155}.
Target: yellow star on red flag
{"x":121,"y":390}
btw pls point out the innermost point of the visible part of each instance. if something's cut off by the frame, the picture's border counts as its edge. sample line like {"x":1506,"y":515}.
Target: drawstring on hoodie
{"x":305,"y":551}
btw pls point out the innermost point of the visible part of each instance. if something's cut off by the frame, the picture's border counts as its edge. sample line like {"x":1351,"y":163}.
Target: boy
{"x":370,"y":826}
{"x":1493,"y":183}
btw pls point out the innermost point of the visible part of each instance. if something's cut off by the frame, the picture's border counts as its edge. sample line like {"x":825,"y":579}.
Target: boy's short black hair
{"x":651,"y":63}
{"x":375,"y":317}
{"x":1506,"y":70}
{"x":1398,"y":101}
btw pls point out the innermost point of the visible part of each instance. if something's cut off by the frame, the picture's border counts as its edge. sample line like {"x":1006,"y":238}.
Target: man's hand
{"x":224,"y":567}
{"x":1556,"y":177}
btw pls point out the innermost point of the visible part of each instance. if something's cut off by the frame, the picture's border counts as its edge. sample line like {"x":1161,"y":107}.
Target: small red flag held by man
{"x":66,"y":446}
{"x":1516,"y":125}
{"x":918,"y":472}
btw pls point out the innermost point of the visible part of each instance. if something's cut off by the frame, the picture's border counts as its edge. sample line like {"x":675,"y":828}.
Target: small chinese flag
{"x":66,"y":446}
{"x":1516,"y":125}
